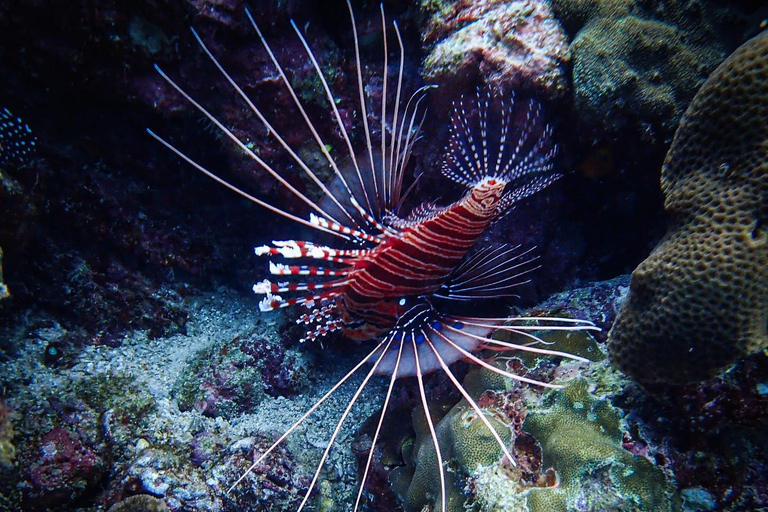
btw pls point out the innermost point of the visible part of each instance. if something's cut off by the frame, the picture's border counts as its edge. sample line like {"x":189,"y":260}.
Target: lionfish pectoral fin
{"x":422,"y":341}
{"x":490,"y":273}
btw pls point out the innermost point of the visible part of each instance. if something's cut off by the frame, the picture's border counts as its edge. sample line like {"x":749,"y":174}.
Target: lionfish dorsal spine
{"x":476,"y":153}
{"x":318,"y":139}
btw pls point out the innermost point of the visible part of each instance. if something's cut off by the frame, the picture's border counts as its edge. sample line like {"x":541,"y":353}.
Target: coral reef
{"x":126,"y":267}
{"x":470,"y":451}
{"x":516,"y":45}
{"x":140,"y":503}
{"x":581,"y":439}
{"x":699,"y":301}
{"x":62,"y":471}
{"x":112,"y":416}
{"x":577,"y":448}
{"x":571,"y":448}
{"x":230,"y":378}
{"x":636,"y":65}
{"x":702,"y":433}
{"x":636,"y":70}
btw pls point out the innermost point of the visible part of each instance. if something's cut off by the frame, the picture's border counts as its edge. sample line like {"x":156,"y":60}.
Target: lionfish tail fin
{"x":514,"y":144}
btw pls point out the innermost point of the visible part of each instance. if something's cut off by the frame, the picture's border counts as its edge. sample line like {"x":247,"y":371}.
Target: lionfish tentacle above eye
{"x":390,"y":284}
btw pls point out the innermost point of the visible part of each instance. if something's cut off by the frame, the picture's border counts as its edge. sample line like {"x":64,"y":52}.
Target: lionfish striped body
{"x":388,"y":286}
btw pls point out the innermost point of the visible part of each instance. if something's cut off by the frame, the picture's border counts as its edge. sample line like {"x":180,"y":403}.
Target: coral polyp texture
{"x":509,"y":45}
{"x":637,"y":64}
{"x":581,"y":438}
{"x":699,"y":302}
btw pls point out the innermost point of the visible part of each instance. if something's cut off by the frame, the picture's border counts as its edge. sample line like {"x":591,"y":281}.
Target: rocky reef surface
{"x":137,"y":373}
{"x":116,"y":422}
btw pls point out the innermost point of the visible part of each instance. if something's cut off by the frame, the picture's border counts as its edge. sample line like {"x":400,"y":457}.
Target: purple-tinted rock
{"x":64,"y":471}
{"x":517,"y":45}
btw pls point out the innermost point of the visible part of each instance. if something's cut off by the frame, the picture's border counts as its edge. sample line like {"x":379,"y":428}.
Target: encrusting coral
{"x":477,"y":474}
{"x":581,"y":439}
{"x":568,"y":447}
{"x":636,"y":64}
{"x":7,"y":449}
{"x":632,"y":67}
{"x":699,"y":302}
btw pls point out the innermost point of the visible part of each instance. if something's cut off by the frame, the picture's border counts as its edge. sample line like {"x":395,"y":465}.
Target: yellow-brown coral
{"x":700,"y":300}
{"x":7,"y":450}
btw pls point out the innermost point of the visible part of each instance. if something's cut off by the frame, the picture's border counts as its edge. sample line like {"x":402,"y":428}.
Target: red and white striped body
{"x":416,"y":262}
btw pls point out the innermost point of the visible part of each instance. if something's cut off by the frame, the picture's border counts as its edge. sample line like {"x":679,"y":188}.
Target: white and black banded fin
{"x":492,"y":272}
{"x":371,"y":185}
{"x":513,"y":145}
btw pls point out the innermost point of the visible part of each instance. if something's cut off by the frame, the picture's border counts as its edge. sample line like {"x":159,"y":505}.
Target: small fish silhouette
{"x":17,"y":142}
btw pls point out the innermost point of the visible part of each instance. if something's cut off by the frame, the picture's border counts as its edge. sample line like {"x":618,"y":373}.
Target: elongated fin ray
{"x":470,"y":401}
{"x":379,"y":424}
{"x":339,"y":424}
{"x":395,"y":141}
{"x":491,"y":272}
{"x":334,"y":108}
{"x":385,"y":179}
{"x":306,"y":415}
{"x":264,"y":165}
{"x":251,"y":198}
{"x":364,"y":110}
{"x":476,"y":360}
{"x":524,"y":348}
{"x":272,"y":130}
{"x":320,"y":142}
{"x":431,"y":426}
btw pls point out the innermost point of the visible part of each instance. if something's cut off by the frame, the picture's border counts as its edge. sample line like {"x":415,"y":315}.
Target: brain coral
{"x":699,"y":302}
{"x":464,"y":440}
{"x":631,"y":67}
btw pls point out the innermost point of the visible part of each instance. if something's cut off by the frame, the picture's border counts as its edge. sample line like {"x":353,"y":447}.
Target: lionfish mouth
{"x":391,"y":285}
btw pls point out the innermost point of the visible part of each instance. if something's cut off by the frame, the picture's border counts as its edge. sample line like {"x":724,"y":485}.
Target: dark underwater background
{"x":133,"y":357}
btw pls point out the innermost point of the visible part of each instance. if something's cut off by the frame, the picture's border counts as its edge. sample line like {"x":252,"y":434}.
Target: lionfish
{"x":388,"y":283}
